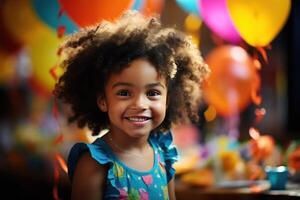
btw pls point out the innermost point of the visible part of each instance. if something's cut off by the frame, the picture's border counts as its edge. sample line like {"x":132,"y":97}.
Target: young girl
{"x":135,"y":79}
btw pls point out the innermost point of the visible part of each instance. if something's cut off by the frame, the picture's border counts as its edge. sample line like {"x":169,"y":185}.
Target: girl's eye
{"x":123,"y":93}
{"x":153,"y":93}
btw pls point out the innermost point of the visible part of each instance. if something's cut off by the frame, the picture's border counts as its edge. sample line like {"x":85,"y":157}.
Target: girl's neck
{"x":123,"y":142}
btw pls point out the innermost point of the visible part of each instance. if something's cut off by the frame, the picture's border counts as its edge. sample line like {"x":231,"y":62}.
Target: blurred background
{"x":248,"y":117}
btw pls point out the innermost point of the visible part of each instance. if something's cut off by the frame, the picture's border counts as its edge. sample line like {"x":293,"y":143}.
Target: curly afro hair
{"x":94,"y":53}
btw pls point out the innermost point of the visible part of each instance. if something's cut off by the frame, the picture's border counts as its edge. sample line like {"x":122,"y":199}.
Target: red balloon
{"x":233,"y":74}
{"x":89,"y":12}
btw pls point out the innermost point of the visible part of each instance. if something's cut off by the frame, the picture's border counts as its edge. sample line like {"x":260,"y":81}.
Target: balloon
{"x":189,"y":6}
{"x":151,"y":7}
{"x":7,"y":42}
{"x":192,"y":23}
{"x":48,"y":12}
{"x":258,"y":22}
{"x":137,"y":5}
{"x":20,"y":20}
{"x":85,"y":13}
{"x":230,"y":84}
{"x":216,"y":16}
{"x":43,"y":54}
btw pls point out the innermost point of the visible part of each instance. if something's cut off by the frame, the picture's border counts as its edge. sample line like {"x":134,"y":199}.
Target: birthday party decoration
{"x":190,"y":6}
{"x":137,"y":5}
{"x":151,"y":7}
{"x":229,"y":86}
{"x":49,"y":12}
{"x":258,"y":22}
{"x":8,"y":44}
{"x":192,"y":25}
{"x":20,"y":20}
{"x":85,"y":13}
{"x":7,"y":67}
{"x":216,"y":16}
{"x":43,"y":54}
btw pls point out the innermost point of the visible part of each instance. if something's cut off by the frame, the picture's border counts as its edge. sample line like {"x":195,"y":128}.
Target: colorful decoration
{"x":7,"y":68}
{"x":293,"y":156}
{"x":190,"y":6}
{"x":21,"y":21}
{"x":229,"y":86}
{"x":151,"y":7}
{"x":262,"y":147}
{"x":85,"y":13}
{"x":137,"y":5}
{"x":216,"y":16}
{"x":192,"y":25}
{"x":258,"y":22}
{"x":43,"y":54}
{"x":8,"y":44}
{"x":49,"y":12}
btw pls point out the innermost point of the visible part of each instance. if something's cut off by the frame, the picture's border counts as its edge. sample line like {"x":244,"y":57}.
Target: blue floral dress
{"x":124,"y":182}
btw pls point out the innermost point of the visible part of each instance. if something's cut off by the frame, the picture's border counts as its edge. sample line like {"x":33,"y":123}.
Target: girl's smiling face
{"x":135,"y":99}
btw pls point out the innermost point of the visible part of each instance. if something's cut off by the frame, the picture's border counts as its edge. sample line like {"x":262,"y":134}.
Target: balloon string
{"x":61,"y":31}
{"x":53,"y":73}
{"x":255,"y":95}
{"x":61,"y":162}
{"x":56,"y":179}
{"x":263,"y":53}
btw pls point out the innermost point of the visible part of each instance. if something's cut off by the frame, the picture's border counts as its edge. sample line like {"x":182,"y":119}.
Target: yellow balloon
{"x":43,"y":55}
{"x":192,"y":23}
{"x":259,"y":21}
{"x":20,"y":20}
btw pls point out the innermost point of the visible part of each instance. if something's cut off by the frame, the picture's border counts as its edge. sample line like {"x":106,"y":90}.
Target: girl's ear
{"x":102,"y":104}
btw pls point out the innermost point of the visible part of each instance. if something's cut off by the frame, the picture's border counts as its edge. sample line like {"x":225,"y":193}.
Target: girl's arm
{"x":88,"y":180}
{"x":171,"y":189}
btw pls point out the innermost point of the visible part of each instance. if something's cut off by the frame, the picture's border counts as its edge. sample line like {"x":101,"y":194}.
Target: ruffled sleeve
{"x":169,"y":151}
{"x":96,"y":150}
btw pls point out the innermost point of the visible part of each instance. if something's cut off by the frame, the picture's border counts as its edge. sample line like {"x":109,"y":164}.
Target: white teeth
{"x":137,"y":119}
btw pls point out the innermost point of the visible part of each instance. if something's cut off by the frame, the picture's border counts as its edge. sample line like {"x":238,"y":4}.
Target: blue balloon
{"x":137,"y":5}
{"x":190,"y":6}
{"x":48,"y":11}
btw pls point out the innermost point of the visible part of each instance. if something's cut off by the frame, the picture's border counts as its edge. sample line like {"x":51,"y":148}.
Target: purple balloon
{"x":216,"y":16}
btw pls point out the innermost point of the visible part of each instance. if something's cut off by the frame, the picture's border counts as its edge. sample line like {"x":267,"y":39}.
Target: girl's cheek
{"x":160,"y":107}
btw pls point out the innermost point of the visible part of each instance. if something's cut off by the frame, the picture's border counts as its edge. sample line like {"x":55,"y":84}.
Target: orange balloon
{"x":89,"y":12}
{"x":151,"y":7}
{"x":229,"y":86}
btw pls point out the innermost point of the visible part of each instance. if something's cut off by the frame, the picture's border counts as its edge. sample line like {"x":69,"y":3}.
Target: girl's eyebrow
{"x":131,"y":85}
{"x":122,"y":84}
{"x":155,"y":85}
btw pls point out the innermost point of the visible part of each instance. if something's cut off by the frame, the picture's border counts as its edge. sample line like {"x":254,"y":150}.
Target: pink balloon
{"x":216,"y":16}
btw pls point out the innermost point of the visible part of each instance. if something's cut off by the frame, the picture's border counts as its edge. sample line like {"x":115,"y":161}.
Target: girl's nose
{"x":140,"y":102}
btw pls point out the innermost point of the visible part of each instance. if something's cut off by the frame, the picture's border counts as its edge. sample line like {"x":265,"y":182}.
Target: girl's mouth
{"x":138,"y":119}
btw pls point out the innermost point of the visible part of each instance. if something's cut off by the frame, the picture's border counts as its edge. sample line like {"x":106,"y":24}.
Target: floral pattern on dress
{"x":144,"y":194}
{"x":147,"y":179}
{"x":165,"y":192}
{"x":118,"y":170}
{"x":133,"y":194}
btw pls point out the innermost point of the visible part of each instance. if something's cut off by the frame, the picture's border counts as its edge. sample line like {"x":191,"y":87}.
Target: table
{"x":186,"y":192}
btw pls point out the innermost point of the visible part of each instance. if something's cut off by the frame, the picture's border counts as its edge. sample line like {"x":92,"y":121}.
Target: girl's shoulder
{"x":98,"y":151}
{"x":168,"y":151}
{"x":164,"y":142}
